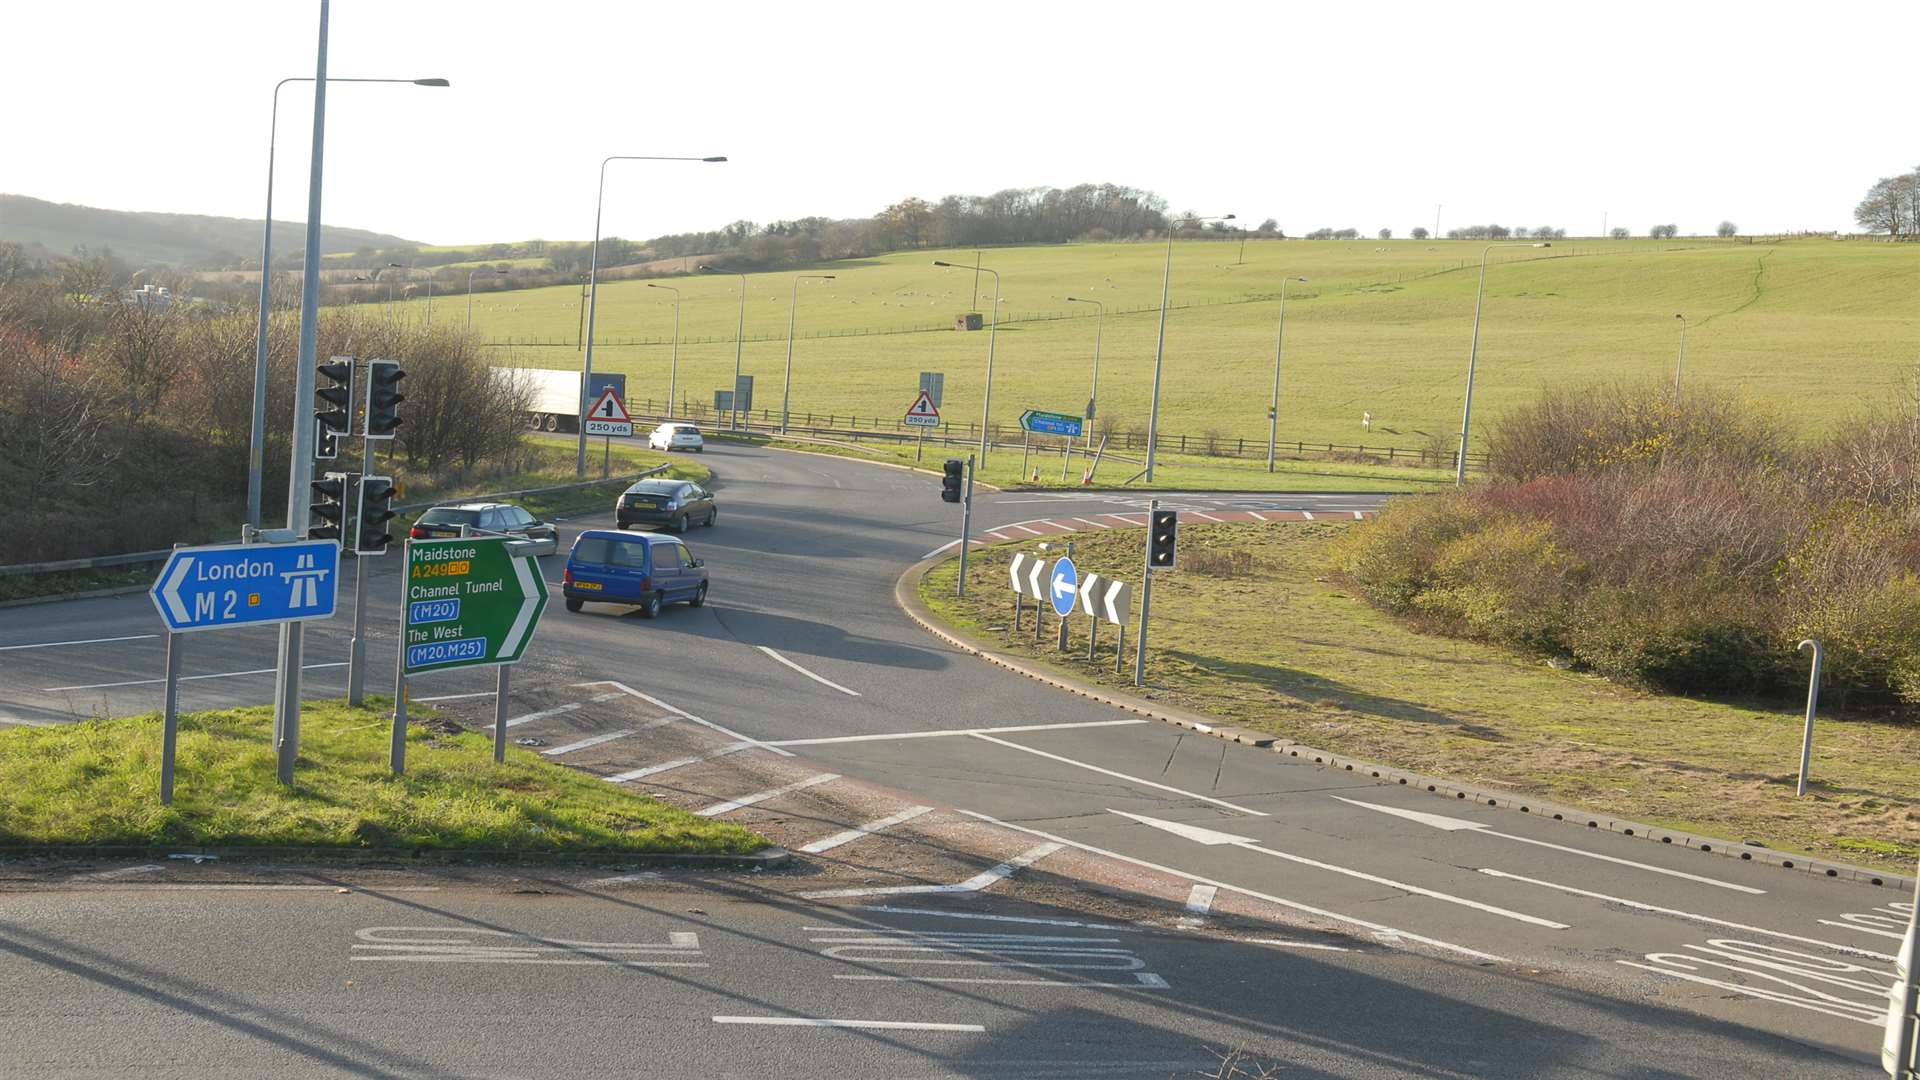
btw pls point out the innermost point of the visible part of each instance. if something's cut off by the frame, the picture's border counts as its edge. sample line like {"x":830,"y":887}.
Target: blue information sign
{"x":212,"y":588}
{"x":1063,"y":586}
{"x":1051,"y":423}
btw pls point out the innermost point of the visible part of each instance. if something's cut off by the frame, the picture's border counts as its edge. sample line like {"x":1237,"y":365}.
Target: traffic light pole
{"x":1146,"y":601}
{"x":966,"y":526}
{"x":357,"y":652}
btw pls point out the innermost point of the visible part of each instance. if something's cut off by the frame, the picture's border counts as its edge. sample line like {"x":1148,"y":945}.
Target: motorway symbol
{"x":609,"y":415}
{"x":1050,"y":423}
{"x":1063,"y":586}
{"x":212,"y":588}
{"x":923,"y":412}
{"x":470,"y":603}
{"x":1105,"y":598}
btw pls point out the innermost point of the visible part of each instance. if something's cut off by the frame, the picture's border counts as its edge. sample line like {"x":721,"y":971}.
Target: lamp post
{"x":376,"y":277}
{"x":1160,"y":350}
{"x":593,"y":295}
{"x":1473,"y":353}
{"x":1099,"y":320}
{"x":257,"y":445}
{"x":1680,"y":364}
{"x":1279,"y":347}
{"x":739,"y":340}
{"x":470,"y":274}
{"x":993,"y":325}
{"x":786,"y":389}
{"x":673,"y":362}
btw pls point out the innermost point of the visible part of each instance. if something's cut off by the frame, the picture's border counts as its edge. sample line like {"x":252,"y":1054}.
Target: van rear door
{"x":610,"y":567}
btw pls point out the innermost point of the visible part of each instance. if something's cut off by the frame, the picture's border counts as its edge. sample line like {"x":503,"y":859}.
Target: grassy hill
{"x":143,"y":238}
{"x":1812,"y":327}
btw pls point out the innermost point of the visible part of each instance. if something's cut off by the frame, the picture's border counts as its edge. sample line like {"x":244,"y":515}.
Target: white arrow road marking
{"x":1118,"y":776}
{"x":530,"y":598}
{"x":1708,"y":919}
{"x":977,"y":882}
{"x":1452,"y":824}
{"x":808,"y":674}
{"x":1208,"y":836}
{"x":1386,"y":934}
{"x":170,"y":592}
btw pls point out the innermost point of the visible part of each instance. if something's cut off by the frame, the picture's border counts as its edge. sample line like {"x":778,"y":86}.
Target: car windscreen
{"x":441,"y":515}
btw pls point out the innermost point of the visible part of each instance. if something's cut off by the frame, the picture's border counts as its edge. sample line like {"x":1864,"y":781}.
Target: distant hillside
{"x":190,"y":240}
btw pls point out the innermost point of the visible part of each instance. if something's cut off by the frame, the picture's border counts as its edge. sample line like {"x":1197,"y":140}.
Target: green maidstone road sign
{"x":469,"y":603}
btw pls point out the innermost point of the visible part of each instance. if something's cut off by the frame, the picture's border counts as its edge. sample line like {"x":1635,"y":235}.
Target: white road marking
{"x":956,"y":731}
{"x":24,"y":723}
{"x":1385,"y":933}
{"x":1024,"y":529}
{"x":624,"y":879}
{"x":871,"y":827}
{"x":1307,"y":514}
{"x":1142,"y":980}
{"x":808,"y":674}
{"x":1785,"y":977}
{"x":1200,"y":898}
{"x":1283,"y":943}
{"x":984,"y":879}
{"x":461,"y":944}
{"x":1256,"y":515}
{"x":875,"y":1025}
{"x":1093,"y":523}
{"x":1119,"y":776}
{"x":82,"y":641}
{"x":1863,"y":929}
{"x":454,"y":697}
{"x":1710,"y":920}
{"x":185,"y":678}
{"x":743,"y":801}
{"x":252,"y":886}
{"x":1453,"y":824}
{"x":1209,"y":517}
{"x":1210,"y":837}
{"x":890,"y":910}
{"x":669,"y":766}
{"x":595,"y":740}
{"x":685,"y":715}
{"x":115,"y":875}
{"x":1359,"y":516}
{"x":998,"y":536}
{"x":1125,"y":520}
{"x":559,"y":709}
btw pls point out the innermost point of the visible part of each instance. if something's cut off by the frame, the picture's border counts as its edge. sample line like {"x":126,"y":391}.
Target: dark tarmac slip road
{"x":1447,"y":939}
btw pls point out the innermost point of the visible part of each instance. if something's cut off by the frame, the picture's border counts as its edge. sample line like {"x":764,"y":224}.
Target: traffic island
{"x":1250,"y":638}
{"x":93,"y":788}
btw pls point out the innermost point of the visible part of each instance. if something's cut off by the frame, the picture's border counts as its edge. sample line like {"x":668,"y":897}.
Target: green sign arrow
{"x":1050,"y":423}
{"x":469,"y":603}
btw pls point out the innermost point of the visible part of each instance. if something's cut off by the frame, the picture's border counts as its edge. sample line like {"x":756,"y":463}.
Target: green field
{"x":1810,"y":326}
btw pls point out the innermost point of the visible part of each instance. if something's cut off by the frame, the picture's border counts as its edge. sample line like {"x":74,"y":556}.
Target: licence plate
{"x":589,"y":586}
{"x":646,"y":504}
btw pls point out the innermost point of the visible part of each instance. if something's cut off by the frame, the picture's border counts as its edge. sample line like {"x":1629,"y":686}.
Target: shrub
{"x":1221,"y":562}
{"x":1587,"y":429}
{"x":1390,"y":562}
{"x":1507,"y":583}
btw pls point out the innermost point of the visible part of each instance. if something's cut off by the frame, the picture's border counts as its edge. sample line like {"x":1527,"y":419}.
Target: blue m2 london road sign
{"x":212,"y":588}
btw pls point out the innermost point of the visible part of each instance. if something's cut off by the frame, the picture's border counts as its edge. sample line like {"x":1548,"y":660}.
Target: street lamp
{"x":1473,"y":353}
{"x":1099,"y":320}
{"x":1160,"y":350}
{"x":739,"y":332}
{"x":257,"y":447}
{"x":376,"y":277}
{"x":993,"y":325}
{"x":593,"y":295}
{"x":673,"y":363}
{"x":1279,"y":346}
{"x":1682,"y":362}
{"x":786,"y":389}
{"x":470,"y":274}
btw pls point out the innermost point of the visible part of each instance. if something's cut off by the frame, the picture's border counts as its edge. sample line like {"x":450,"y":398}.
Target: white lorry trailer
{"x":553,"y":400}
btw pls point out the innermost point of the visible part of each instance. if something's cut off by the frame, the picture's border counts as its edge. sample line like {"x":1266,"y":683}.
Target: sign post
{"x":469,"y":602}
{"x":923,"y":414}
{"x":1063,"y":589}
{"x":608,"y":417}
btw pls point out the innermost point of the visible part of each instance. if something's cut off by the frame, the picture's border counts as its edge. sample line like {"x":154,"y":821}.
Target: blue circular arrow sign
{"x":1063,"y":586}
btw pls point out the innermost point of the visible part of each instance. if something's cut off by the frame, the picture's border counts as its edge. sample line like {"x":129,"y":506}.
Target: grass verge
{"x":1269,"y":643}
{"x":96,"y":783}
{"x":1173,"y":472}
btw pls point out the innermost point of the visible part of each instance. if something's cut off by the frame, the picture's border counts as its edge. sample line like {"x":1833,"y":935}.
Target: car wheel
{"x":679,"y":524}
{"x":711,"y":514}
{"x":650,"y":608}
{"x":575,"y":605}
{"x":699,"y":596}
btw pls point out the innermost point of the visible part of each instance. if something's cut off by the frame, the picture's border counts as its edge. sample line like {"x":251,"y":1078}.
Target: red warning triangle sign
{"x":609,"y":407}
{"x":923,"y":406}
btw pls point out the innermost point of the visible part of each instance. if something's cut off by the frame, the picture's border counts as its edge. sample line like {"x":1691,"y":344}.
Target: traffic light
{"x":383,"y":398}
{"x":333,"y":397}
{"x":371,"y":514}
{"x":953,"y":478}
{"x":1161,"y":535}
{"x":326,"y":514}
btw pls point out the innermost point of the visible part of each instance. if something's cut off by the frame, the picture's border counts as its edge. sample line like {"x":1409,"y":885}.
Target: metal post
{"x":397,"y":754}
{"x":739,"y":340}
{"x":1160,"y":349}
{"x":1279,"y":348}
{"x":786,"y":389}
{"x":357,"y":651}
{"x":1026,"y":438}
{"x":1018,"y":609}
{"x":500,"y":713}
{"x":1120,"y":649}
{"x":1146,"y":599}
{"x":1064,"y":619}
{"x":257,"y":447}
{"x":1680,"y":365}
{"x":170,"y":718}
{"x":966,"y":525}
{"x":606,"y":456}
{"x":1813,"y":703}
{"x":300,"y":472}
{"x":673,"y":360}
{"x":974,"y":304}
{"x":1093,"y":635}
{"x":993,"y":329}
{"x":1473,"y":354}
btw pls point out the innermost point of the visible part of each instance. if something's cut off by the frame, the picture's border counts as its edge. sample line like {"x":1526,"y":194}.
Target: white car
{"x":674,"y":436}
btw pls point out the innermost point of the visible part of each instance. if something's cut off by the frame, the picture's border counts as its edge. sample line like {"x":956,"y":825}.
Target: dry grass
{"x":1284,"y":650}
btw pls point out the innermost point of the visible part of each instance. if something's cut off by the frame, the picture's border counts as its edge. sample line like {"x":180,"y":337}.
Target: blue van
{"x":643,"y":570}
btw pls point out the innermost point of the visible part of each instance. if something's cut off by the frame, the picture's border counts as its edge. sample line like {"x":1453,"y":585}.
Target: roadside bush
{"x":1591,"y":429}
{"x":1507,"y":583}
{"x":1220,"y":562}
{"x":1390,"y":562}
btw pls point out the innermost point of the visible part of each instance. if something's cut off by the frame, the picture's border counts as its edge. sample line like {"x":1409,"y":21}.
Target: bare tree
{"x":1727,"y":230}
{"x":1664,"y":232}
{"x":1386,"y":234}
{"x":1620,"y":233}
{"x":1420,"y":232}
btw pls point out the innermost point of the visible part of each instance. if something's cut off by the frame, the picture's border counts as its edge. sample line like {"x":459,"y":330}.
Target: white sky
{"x":1777,"y":116}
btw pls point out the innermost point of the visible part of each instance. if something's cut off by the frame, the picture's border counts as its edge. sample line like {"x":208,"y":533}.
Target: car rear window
{"x":654,"y":487}
{"x":686,"y":429}
{"x":441,"y":515}
{"x":603,"y":551}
